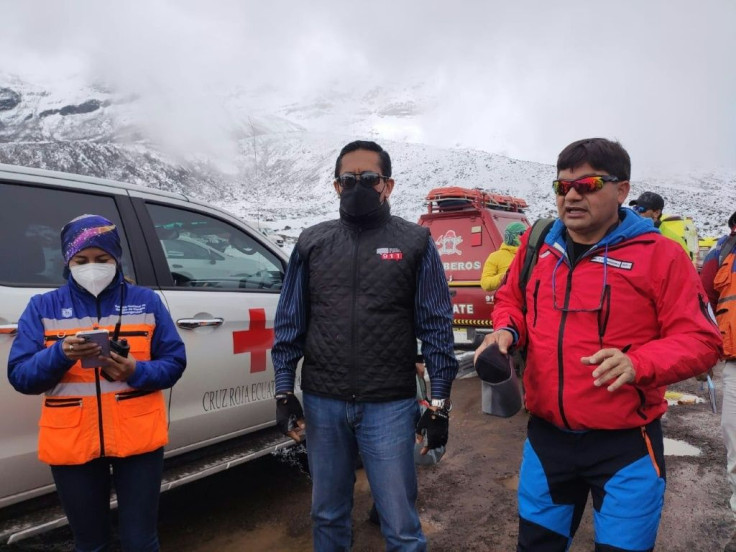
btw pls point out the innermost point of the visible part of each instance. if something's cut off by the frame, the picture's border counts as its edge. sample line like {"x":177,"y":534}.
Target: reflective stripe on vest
{"x":78,"y":424}
{"x":70,"y":326}
{"x":87,"y":389}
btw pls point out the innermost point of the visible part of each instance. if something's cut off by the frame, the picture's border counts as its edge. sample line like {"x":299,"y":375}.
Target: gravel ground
{"x":467,"y":502}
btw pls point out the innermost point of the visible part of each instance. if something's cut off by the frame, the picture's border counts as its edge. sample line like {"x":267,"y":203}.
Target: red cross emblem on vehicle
{"x":256,"y":340}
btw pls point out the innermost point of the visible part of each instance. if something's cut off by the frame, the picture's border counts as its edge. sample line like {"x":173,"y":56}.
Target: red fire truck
{"x":467,"y":225}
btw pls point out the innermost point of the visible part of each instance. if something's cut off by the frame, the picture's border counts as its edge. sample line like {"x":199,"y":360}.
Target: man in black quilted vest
{"x":358,"y":293}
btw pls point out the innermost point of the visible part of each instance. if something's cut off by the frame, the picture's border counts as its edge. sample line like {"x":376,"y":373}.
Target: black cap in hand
{"x":493,"y":366}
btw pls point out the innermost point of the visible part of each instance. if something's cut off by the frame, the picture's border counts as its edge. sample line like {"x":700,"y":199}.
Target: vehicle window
{"x":205,"y":252}
{"x":30,"y":246}
{"x":180,"y":249}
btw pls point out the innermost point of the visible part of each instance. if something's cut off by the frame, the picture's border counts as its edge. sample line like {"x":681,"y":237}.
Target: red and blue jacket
{"x":719,"y":281}
{"x":635,"y":291}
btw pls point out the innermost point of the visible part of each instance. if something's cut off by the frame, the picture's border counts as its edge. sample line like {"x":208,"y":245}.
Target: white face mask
{"x":94,"y":277}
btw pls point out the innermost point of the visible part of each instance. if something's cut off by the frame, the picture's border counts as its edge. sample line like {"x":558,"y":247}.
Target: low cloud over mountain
{"x":271,"y":160}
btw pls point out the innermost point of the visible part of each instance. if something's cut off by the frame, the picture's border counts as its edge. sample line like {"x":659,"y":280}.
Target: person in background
{"x":358,"y":293}
{"x":650,"y":205}
{"x":719,"y":280}
{"x":104,"y":425}
{"x":617,"y":314}
{"x":499,"y":261}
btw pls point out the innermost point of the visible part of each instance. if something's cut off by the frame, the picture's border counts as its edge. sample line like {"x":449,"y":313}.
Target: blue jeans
{"x":383,"y":434}
{"x":84,"y":491}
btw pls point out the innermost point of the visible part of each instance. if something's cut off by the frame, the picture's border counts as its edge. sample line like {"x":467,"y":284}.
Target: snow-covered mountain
{"x":270,"y":158}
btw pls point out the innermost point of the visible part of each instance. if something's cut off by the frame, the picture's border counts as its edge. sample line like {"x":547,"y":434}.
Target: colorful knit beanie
{"x":90,"y":231}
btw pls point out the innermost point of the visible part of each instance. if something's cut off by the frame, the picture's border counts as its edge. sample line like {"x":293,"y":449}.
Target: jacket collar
{"x":631,"y":225}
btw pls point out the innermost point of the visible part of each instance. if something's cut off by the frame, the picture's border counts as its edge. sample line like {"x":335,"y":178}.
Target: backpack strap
{"x":539,"y":232}
{"x":726,"y":249}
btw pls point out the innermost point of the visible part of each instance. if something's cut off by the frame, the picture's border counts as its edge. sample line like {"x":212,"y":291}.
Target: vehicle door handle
{"x":8,"y":329}
{"x":193,"y":323}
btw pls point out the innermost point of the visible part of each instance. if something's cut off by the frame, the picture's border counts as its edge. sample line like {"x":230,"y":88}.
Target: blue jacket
{"x":34,"y":368}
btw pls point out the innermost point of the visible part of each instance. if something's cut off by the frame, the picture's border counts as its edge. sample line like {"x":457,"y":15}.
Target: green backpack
{"x":539,"y":232}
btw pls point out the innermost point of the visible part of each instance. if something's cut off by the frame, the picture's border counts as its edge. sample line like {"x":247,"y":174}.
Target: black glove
{"x":435,"y":424}
{"x":288,"y":411}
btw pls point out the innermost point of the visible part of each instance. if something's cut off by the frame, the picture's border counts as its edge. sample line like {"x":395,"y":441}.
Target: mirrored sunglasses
{"x":583,"y":185}
{"x":640,"y":209}
{"x":367,"y":179}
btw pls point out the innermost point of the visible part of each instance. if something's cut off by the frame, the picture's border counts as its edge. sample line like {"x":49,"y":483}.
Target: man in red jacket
{"x":613,"y":312}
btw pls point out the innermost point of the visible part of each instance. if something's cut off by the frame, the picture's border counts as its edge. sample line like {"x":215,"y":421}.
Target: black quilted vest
{"x":360,"y":342}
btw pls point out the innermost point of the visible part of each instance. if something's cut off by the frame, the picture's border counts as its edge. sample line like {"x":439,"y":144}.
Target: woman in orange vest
{"x":103,"y":417}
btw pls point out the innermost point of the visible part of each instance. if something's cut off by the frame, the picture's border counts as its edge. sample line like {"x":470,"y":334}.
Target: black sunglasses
{"x":367,"y":179}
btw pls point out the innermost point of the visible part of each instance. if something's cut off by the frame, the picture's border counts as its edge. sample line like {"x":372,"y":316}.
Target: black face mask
{"x":360,"y":202}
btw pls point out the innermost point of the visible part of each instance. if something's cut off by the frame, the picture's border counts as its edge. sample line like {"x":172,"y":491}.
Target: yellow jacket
{"x":667,"y":230}
{"x":496,"y":266}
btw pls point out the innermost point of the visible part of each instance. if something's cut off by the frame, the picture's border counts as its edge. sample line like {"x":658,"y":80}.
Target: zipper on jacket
{"x":354,"y":320}
{"x":603,"y":314}
{"x":563,"y":320}
{"x":536,"y":292}
{"x":560,"y":362}
{"x":642,"y":403}
{"x":133,"y":394}
{"x":98,"y":391}
{"x":650,"y":450}
{"x":62,"y":403}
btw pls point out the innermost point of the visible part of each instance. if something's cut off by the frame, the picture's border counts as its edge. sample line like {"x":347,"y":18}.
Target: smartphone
{"x":102,"y":338}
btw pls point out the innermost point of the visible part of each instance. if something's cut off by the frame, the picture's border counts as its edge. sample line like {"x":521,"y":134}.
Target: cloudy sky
{"x":520,"y":78}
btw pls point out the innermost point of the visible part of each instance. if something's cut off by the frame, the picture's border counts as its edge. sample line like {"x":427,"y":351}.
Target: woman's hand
{"x":119,"y":368}
{"x":76,"y":348}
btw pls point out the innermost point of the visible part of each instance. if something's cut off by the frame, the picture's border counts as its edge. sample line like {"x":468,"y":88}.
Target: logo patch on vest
{"x":625,"y":265}
{"x":390,"y":253}
{"x":67,"y":313}
{"x":129,"y":310}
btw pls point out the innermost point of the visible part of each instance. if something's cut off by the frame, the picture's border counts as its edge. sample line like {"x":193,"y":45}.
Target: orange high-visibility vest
{"x":725,"y":284}
{"x":86,"y":417}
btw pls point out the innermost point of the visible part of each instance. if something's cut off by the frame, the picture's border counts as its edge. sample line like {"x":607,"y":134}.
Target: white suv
{"x":220,"y":279}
